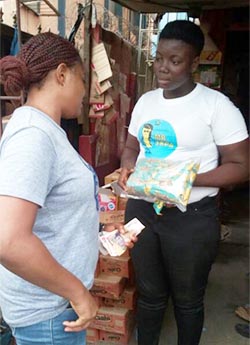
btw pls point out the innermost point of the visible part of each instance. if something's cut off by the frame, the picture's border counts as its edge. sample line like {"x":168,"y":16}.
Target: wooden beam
{"x":87,"y":66}
{"x":161,"y":6}
{"x":18,"y":18}
{"x":52,"y":7}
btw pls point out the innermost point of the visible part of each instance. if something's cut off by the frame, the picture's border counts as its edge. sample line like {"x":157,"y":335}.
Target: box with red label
{"x":122,"y":203}
{"x":126,"y":300}
{"x":115,"y":338}
{"x":98,"y":301}
{"x":92,"y":335}
{"x":107,"y":200}
{"x":112,"y":217}
{"x":115,"y":265}
{"x":114,"y":176}
{"x":108,"y":286}
{"x":116,"y":320}
{"x":97,"y":269}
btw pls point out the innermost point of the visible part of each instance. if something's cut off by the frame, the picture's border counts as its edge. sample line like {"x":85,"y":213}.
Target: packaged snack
{"x":163,"y":181}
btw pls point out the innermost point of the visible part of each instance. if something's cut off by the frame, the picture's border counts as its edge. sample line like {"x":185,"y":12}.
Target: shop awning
{"x":41,"y":7}
{"x":162,"y":6}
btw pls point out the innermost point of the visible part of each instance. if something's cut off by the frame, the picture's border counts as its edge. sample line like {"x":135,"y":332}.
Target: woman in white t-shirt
{"x":175,"y":251}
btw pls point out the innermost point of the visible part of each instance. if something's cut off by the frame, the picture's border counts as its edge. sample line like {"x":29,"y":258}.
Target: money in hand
{"x":114,"y":243}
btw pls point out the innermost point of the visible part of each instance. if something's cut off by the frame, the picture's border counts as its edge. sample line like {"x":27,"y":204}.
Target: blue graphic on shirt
{"x":158,"y":138}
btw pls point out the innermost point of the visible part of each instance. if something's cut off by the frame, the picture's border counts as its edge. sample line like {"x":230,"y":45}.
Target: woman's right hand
{"x":124,"y":175}
{"x":86,"y":311}
{"x":128,"y":160}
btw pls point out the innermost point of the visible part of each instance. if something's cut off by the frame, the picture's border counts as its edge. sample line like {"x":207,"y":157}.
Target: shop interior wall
{"x":123,"y":57}
{"x":230,"y":31}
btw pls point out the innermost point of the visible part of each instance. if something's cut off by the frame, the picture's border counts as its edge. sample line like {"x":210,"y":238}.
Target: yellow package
{"x":163,"y":181}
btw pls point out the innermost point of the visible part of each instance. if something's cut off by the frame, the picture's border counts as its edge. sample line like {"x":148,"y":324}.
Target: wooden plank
{"x":18,"y":18}
{"x":87,"y":62}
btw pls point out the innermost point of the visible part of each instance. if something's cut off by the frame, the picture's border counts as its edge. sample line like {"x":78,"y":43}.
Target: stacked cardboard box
{"x":112,"y":208}
{"x":114,"y":176}
{"x":115,"y":294}
{"x":113,"y":288}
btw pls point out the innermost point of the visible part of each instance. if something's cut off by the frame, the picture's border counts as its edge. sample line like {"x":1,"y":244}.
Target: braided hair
{"x":37,"y":57}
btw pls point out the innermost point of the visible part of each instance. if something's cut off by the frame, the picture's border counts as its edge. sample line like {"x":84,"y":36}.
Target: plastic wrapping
{"x":163,"y":181}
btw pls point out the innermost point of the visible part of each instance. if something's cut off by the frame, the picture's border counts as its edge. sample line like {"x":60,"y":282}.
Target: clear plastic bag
{"x":163,"y":181}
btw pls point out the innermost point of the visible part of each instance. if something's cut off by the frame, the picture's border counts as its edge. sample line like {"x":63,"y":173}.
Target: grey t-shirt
{"x":38,"y":164}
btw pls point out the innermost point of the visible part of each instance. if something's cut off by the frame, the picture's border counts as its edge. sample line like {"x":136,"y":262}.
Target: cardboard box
{"x":114,"y":338}
{"x":114,"y":176}
{"x":98,"y":300}
{"x":116,"y":320}
{"x":92,"y":335}
{"x":126,"y":300}
{"x":108,"y":286}
{"x":119,"y":265}
{"x":122,"y":202}
{"x":97,"y":269}
{"x":112,"y":217}
{"x":107,"y":200}
{"x":209,"y":75}
{"x":211,"y":57}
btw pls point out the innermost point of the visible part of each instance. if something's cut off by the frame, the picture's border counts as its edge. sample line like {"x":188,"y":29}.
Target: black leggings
{"x":173,"y":257}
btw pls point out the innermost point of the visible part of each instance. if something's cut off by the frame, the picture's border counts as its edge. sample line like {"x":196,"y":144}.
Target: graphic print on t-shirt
{"x":158,"y":138}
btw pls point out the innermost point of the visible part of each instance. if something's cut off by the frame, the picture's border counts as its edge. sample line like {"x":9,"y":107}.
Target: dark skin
{"x":21,"y":251}
{"x":175,"y":61}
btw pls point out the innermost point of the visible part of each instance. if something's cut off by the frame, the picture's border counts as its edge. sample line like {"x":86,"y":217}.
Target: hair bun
{"x":15,"y":75}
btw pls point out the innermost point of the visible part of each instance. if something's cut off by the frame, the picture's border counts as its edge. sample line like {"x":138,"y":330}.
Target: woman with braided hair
{"x":48,"y":200}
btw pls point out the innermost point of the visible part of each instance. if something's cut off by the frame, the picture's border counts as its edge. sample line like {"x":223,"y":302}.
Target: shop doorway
{"x":236,"y":70}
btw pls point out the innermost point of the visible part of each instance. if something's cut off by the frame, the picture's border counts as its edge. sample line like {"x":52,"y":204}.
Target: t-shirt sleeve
{"x":26,"y":164}
{"x":228,"y":124}
{"x":133,"y":126}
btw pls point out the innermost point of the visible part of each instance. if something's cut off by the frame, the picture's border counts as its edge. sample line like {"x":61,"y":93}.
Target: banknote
{"x":114,"y":242}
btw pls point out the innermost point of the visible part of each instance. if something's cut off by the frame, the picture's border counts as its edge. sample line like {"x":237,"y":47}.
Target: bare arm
{"x":128,"y":160}
{"x":233,"y":168}
{"x":24,"y":254}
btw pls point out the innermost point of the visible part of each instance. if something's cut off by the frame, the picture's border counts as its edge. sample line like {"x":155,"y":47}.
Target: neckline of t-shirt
{"x":182,"y":99}
{"x":46,"y":117}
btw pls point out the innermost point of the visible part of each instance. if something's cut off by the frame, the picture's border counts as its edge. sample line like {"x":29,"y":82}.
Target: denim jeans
{"x":172,"y":258}
{"x":50,"y":332}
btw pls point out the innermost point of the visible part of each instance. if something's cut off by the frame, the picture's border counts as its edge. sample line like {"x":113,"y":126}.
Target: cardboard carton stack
{"x":114,"y":287}
{"x":112,"y":207}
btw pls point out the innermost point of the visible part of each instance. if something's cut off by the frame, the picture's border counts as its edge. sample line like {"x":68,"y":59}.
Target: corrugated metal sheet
{"x":41,"y":7}
{"x":162,"y":6}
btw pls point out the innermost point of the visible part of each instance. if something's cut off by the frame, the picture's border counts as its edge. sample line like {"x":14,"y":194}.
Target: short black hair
{"x":185,"y":31}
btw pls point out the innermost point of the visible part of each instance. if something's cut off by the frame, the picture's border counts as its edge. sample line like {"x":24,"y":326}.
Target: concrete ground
{"x":228,"y":285}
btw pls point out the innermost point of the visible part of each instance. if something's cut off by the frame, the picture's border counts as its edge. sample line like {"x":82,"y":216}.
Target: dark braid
{"x":38,"y":56}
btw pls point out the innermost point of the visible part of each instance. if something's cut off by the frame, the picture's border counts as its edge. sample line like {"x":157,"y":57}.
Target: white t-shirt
{"x":187,"y":127}
{"x":38,"y":164}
